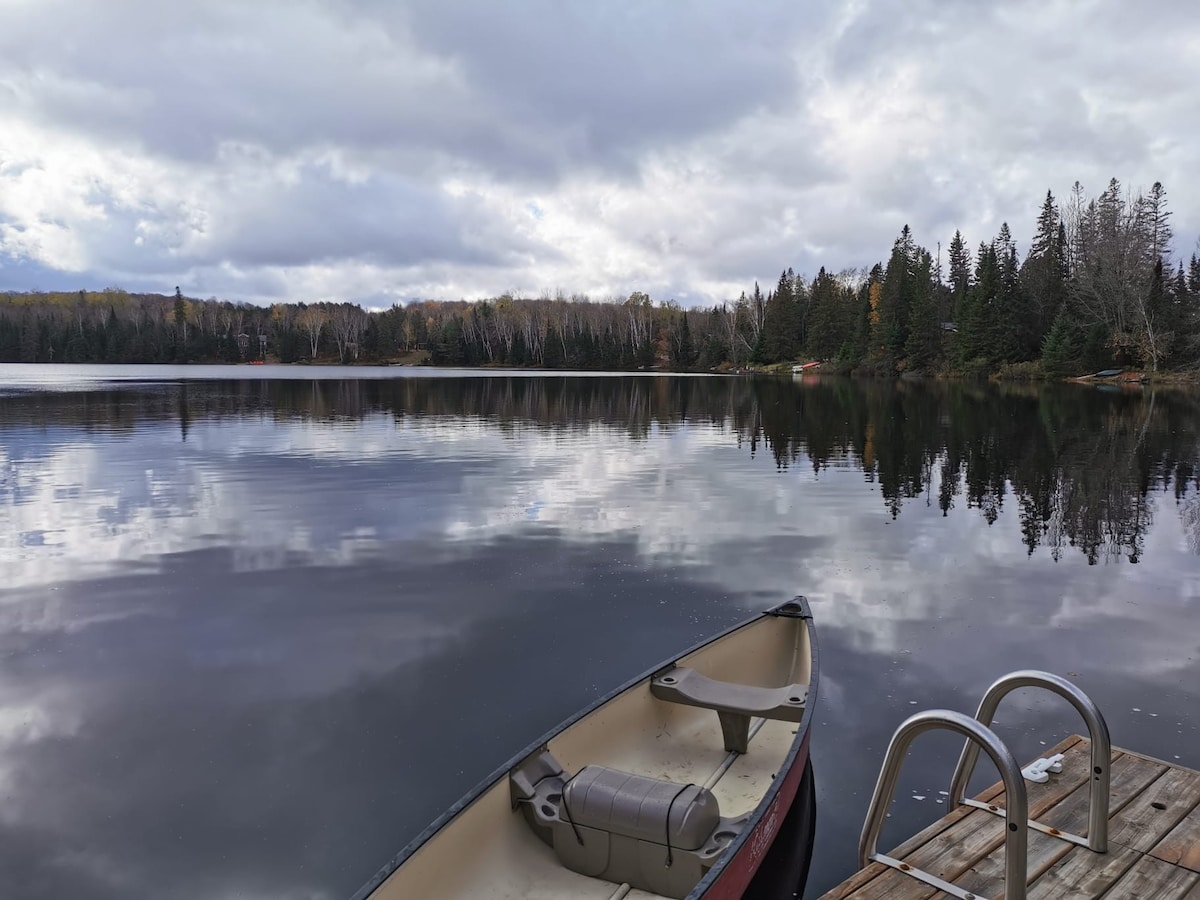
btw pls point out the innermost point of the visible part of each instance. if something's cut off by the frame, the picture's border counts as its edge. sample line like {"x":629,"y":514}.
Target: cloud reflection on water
{"x":236,"y":617}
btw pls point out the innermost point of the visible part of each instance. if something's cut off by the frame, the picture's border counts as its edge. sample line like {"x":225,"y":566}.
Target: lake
{"x":259,"y":626}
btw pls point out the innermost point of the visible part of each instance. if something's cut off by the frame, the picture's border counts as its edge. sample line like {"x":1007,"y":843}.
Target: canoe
{"x":676,"y":784}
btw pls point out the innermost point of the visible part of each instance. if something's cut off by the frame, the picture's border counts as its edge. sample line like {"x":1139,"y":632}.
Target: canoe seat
{"x":735,"y":704}
{"x":655,"y":835}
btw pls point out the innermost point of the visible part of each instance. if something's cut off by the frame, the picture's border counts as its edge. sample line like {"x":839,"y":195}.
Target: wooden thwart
{"x":1153,"y":836}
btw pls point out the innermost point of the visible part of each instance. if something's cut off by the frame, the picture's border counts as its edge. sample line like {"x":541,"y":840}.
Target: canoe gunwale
{"x":796,"y":608}
{"x":800,"y":743}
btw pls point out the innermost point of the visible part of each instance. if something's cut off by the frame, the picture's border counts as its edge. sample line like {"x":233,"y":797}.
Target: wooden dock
{"x":1153,"y":839}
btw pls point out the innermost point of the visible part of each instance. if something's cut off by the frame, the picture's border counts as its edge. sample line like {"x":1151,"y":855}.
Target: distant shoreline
{"x":1126,"y":380}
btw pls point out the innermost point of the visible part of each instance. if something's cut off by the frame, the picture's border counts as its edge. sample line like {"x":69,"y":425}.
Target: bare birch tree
{"x":312,"y":319}
{"x":348,"y":322}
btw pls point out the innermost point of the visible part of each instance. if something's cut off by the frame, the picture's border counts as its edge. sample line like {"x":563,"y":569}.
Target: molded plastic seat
{"x":734,"y":703}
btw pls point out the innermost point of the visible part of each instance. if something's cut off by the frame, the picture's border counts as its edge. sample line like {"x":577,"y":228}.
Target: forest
{"x":1100,"y":285}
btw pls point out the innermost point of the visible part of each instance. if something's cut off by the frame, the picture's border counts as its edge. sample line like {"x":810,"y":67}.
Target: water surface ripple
{"x":255,"y":632}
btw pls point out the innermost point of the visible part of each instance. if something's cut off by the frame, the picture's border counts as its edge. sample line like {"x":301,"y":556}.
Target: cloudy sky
{"x":384,"y":151}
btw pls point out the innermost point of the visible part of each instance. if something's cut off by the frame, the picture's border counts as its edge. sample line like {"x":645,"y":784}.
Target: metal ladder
{"x":1016,"y":815}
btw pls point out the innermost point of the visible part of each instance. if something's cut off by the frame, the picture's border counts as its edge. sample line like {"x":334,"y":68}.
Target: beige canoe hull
{"x":484,"y":850}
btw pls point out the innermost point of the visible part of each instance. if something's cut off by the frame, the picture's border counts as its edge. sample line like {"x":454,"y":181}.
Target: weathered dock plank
{"x":1181,"y":847}
{"x":1157,"y":810}
{"x":1083,"y":874}
{"x":1153,"y":879}
{"x":1154,"y":839}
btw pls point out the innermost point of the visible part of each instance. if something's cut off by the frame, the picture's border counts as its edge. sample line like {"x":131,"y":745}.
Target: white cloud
{"x":874,"y":579}
{"x":353,"y":149}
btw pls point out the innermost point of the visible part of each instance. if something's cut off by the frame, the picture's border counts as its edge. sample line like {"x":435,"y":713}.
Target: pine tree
{"x":713,"y":350}
{"x":825,"y":328}
{"x":553,"y":356}
{"x":895,"y":299}
{"x":1004,"y":241}
{"x":1043,"y":277}
{"x":1187,"y":337}
{"x":1059,"y":353}
{"x":960,"y":270}
{"x":1158,"y":327}
{"x":180,"y":316}
{"x":924,"y":333}
{"x":449,"y":349}
{"x":858,"y":346}
{"x":1045,"y":238}
{"x":979,"y":309}
{"x":802,"y":301}
{"x":1155,"y":220}
{"x":1008,"y":325}
{"x":683,"y":353}
{"x":780,"y":325}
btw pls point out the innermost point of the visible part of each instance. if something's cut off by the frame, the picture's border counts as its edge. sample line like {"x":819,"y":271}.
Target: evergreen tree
{"x":857,"y":346}
{"x":780,"y":325}
{"x":960,"y":274}
{"x":1154,"y":219}
{"x":714,"y":350}
{"x":683,"y":353}
{"x":1097,"y":351}
{"x":449,"y":349}
{"x":924,"y":333}
{"x":1043,"y":277}
{"x":554,"y":357}
{"x":1160,"y":319}
{"x":826,"y":329}
{"x":1004,"y":241}
{"x":1186,"y":346}
{"x":978,"y":310}
{"x":180,"y":316}
{"x":1059,"y":350}
{"x":1009,"y":331}
{"x":802,"y":301}
{"x":1180,"y":287}
{"x":896,"y":296}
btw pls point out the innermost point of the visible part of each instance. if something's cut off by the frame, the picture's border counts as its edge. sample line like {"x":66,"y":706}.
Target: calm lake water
{"x":257,"y":630}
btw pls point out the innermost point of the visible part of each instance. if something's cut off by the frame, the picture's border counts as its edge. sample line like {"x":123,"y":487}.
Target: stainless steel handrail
{"x":977,"y":735}
{"x":1097,"y":836}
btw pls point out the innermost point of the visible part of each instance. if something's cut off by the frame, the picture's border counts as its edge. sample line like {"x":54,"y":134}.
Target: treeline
{"x":1096,"y":288}
{"x":113,"y":326}
{"x":1099,"y":286}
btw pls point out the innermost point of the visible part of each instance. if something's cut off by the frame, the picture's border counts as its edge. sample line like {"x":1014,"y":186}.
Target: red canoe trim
{"x":736,"y":876}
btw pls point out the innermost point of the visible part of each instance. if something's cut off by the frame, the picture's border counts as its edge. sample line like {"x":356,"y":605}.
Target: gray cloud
{"x":529,"y":92}
{"x":611,"y":81}
{"x":383,"y":220}
{"x":444,"y":150}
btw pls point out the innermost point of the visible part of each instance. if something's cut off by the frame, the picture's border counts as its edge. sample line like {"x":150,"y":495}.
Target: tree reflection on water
{"x":1081,"y":464}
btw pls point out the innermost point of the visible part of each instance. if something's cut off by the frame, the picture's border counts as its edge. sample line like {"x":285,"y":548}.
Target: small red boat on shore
{"x":692,"y":781}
